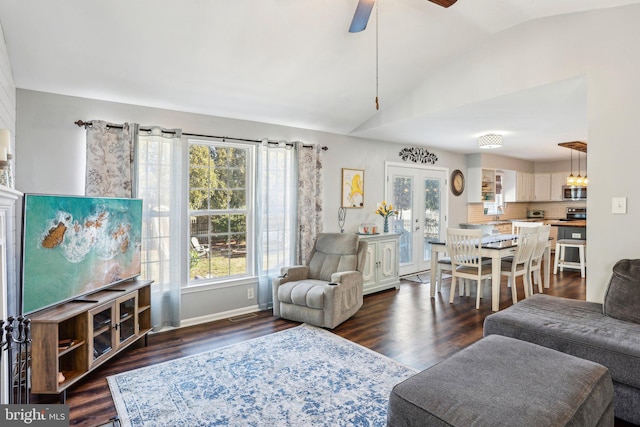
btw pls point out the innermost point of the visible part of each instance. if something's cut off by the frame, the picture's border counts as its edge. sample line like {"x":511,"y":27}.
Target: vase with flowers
{"x":385,"y":211}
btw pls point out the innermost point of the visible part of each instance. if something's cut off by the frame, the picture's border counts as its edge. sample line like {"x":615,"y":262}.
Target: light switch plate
{"x":619,"y":205}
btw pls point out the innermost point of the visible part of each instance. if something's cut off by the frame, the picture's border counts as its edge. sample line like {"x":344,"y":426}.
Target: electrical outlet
{"x":250,"y":294}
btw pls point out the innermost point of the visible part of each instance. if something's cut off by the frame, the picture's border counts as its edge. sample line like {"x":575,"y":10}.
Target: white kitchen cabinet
{"x":524,"y":187}
{"x":481,"y":185}
{"x":542,"y":187}
{"x":381,"y":268}
{"x":509,"y":189}
{"x":558,"y":179}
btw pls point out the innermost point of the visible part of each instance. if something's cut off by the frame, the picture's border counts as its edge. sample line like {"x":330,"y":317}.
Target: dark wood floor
{"x":406,"y":325}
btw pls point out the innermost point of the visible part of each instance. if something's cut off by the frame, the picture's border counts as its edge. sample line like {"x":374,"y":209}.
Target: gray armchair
{"x":328,"y":291}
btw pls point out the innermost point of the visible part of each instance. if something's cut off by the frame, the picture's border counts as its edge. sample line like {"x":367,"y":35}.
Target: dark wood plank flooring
{"x":406,"y":325}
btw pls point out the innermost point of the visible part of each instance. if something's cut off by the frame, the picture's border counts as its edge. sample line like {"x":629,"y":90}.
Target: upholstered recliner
{"x":328,"y":291}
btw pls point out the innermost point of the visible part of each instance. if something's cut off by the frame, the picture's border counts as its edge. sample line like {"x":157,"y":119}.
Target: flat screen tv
{"x":73,"y":246}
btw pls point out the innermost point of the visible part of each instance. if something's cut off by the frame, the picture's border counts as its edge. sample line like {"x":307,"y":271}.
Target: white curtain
{"x":110,"y":159}
{"x":159,"y":177}
{"x":309,"y":199}
{"x":276,"y":219}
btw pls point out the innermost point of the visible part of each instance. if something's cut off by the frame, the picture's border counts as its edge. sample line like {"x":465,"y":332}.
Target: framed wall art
{"x":352,"y":188}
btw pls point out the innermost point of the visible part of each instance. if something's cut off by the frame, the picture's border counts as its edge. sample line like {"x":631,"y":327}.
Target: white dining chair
{"x":464,"y":247}
{"x":518,"y":265}
{"x":517,"y":225}
{"x":535,"y":265}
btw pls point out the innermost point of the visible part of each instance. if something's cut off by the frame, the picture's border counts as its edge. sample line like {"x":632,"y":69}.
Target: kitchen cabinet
{"x":509,"y":185}
{"x":558,"y":179}
{"x":482,"y":185}
{"x":553,"y":234}
{"x":542,"y":187}
{"x":572,"y":233}
{"x":524,"y":187}
{"x":503,"y":228}
{"x":382,"y":266}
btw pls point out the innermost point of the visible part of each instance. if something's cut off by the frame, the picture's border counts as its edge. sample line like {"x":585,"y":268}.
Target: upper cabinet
{"x":548,"y":186}
{"x":558,"y":179}
{"x":542,"y":187}
{"x":525,"y":187}
{"x":481,"y":185}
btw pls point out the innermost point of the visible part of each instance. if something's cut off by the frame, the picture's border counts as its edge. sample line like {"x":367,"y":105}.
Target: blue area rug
{"x":303,"y":376}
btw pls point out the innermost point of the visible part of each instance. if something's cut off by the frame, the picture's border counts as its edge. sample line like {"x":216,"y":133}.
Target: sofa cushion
{"x":308,"y":293}
{"x":574,"y":327}
{"x":622,"y":298}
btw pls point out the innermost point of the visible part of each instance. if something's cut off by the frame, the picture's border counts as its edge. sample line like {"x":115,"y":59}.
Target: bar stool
{"x":560,"y":254}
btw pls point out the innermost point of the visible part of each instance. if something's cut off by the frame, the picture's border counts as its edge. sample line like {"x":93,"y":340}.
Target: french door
{"x":418,"y":193}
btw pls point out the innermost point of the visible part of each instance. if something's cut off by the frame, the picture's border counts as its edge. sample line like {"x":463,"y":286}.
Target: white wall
{"x":52,"y":161}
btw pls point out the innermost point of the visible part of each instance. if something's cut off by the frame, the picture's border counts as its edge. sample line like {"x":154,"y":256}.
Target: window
{"x":220,"y":219}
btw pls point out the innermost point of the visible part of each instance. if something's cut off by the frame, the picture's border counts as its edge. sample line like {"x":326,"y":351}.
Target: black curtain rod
{"x":81,"y":123}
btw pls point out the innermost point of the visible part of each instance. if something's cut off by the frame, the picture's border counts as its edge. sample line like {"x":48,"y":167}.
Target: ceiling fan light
{"x":490,"y":141}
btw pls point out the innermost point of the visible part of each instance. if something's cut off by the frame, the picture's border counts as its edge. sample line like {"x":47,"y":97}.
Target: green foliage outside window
{"x":218,"y":203}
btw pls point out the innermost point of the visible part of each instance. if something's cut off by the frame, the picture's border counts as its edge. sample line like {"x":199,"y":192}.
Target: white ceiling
{"x":292,"y":62}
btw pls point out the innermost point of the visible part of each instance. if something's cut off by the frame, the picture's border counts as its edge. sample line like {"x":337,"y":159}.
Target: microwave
{"x":570,"y":192}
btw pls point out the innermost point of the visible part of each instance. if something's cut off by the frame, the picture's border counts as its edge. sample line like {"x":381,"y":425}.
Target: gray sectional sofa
{"x":608,"y":333}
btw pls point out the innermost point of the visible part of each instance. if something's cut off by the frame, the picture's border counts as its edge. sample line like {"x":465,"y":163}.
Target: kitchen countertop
{"x":554,"y":222}
{"x":565,"y":223}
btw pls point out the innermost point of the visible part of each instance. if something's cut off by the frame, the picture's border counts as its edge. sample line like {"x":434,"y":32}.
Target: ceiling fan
{"x":363,"y":11}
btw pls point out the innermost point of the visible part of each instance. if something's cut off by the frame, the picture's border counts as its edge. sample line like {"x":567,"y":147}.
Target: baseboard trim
{"x":219,"y":316}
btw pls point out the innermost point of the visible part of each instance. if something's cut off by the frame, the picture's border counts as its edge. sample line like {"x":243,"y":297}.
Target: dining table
{"x":496,"y":247}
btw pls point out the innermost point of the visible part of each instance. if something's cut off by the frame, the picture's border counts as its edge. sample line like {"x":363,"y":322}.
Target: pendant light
{"x":571,"y":180}
{"x":579,"y":180}
{"x":585,"y":180}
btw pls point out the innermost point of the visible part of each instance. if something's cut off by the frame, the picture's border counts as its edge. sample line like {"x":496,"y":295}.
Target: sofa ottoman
{"x":581,"y":329}
{"x":501,"y":381}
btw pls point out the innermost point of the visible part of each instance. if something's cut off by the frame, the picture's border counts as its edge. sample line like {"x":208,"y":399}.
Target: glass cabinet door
{"x":127,"y":321}
{"x":102,"y":323}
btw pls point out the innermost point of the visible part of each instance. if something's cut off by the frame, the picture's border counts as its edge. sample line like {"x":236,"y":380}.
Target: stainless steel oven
{"x":576,"y":213}
{"x":574,"y":193}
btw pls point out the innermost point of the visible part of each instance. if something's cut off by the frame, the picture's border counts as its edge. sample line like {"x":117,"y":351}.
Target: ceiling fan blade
{"x":443,"y":3}
{"x":361,"y":17}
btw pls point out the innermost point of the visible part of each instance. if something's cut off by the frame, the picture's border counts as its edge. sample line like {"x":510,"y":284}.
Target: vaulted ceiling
{"x":293,"y":63}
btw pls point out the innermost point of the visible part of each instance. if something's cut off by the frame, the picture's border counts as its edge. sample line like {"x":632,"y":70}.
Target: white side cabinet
{"x":381,"y":268}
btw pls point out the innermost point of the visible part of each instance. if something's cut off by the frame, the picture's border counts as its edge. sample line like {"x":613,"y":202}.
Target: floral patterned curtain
{"x":309,"y":199}
{"x":110,"y":159}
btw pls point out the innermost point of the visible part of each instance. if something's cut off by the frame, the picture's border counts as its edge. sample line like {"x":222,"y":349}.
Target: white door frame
{"x":444,"y":192}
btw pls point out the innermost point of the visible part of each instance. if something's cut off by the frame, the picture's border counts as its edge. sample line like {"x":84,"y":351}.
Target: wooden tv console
{"x":72,"y":339}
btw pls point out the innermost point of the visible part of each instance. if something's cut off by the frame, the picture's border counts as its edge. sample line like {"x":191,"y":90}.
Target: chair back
{"x":527,"y":243}
{"x":335,"y":252}
{"x":195,"y":243}
{"x":517,"y":225}
{"x":542,"y":243}
{"x":463,"y":246}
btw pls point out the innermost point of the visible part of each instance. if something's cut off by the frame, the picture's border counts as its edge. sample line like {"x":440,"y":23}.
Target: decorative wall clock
{"x":457,"y":182}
